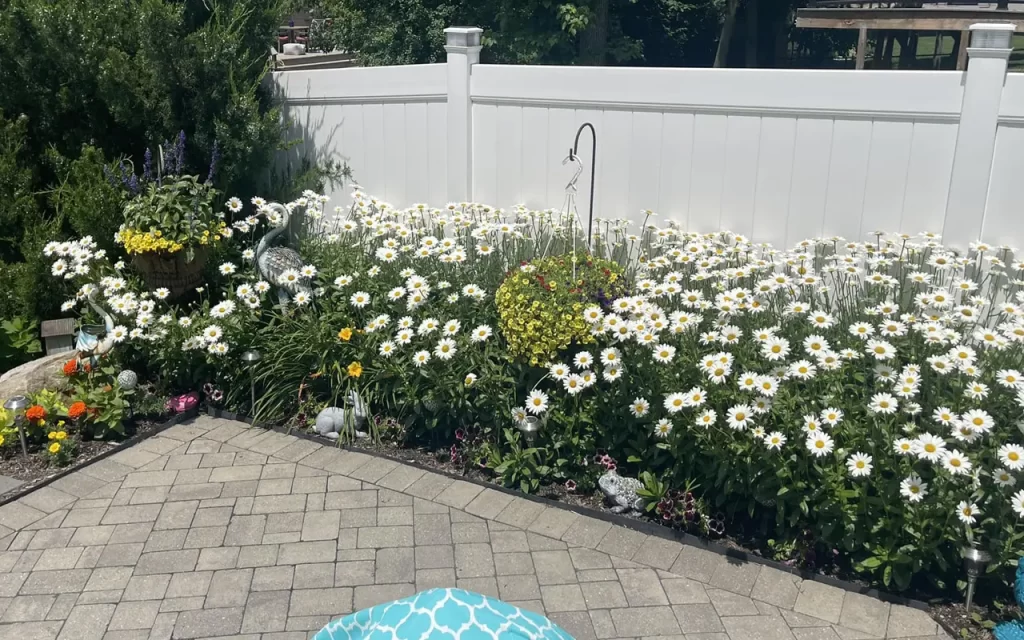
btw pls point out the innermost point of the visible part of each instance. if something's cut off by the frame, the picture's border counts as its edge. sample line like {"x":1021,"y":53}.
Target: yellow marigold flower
{"x":345,"y":334}
{"x":51,"y":435}
{"x":355,"y":369}
{"x":61,"y":435}
{"x":55,"y":447}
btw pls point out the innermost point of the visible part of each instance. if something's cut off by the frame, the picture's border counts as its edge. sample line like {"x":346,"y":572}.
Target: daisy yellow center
{"x":776,"y":348}
{"x":976,"y":421}
{"x":914,"y":488}
{"x":930,"y":448}
{"x":719,"y":371}
{"x":1013,"y":455}
{"x":803,"y":369}
{"x":879,"y":349}
{"x":860,"y":464}
{"x":741,"y":416}
{"x":677,"y":402}
{"x":820,"y":444}
{"x":696,"y":397}
{"x":954,"y":462}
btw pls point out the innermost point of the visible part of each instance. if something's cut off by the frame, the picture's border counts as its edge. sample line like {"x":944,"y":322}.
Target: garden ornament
{"x":128,"y":379}
{"x":88,"y":345}
{"x":621,"y":492}
{"x":184,"y":402}
{"x":332,"y":420}
{"x":1014,"y":629}
{"x":273,"y":262}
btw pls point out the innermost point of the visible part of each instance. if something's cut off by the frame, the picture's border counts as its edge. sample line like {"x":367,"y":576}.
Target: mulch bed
{"x":955,"y":619}
{"x":36,"y":469}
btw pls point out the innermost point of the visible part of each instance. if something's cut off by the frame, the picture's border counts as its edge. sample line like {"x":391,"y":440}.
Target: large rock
{"x":42,"y":373}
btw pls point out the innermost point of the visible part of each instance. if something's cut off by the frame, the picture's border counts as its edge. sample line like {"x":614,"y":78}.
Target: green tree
{"x":89,"y":82}
{"x":529,"y":31}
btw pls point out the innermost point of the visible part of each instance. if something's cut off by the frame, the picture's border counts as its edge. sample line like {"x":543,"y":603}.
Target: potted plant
{"x":169,"y":222}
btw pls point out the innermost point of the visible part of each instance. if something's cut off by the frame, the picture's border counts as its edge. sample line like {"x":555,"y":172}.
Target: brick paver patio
{"x":214,"y":529}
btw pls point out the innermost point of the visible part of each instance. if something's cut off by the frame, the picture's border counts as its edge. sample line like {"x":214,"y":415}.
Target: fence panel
{"x":778,"y":155}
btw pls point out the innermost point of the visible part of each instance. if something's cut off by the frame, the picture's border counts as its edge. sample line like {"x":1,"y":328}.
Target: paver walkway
{"x":215,"y":529}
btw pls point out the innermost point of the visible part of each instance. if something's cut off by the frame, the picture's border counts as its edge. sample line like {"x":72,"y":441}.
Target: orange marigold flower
{"x":35,"y":412}
{"x":71,"y":367}
{"x":76,"y":410}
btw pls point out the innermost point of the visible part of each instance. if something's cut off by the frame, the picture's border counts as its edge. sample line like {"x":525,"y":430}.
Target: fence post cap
{"x":989,"y":39}
{"x":993,"y":26}
{"x":462,"y":36}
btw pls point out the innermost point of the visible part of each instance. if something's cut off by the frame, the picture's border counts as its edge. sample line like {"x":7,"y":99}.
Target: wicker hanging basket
{"x":172,"y":271}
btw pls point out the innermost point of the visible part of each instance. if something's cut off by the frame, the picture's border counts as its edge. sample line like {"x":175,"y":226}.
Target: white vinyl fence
{"x":779,"y":155}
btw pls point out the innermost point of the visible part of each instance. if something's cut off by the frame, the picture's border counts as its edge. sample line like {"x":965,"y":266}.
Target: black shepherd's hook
{"x":593,"y":171}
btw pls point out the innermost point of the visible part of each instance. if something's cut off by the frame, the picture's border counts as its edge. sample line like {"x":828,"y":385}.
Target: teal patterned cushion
{"x":442,"y":613}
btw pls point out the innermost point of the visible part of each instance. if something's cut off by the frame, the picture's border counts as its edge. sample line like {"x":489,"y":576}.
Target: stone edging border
{"x":175,"y":420}
{"x":642,"y":526}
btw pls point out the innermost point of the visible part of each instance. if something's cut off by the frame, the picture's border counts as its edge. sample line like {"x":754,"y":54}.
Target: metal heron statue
{"x":273,"y":262}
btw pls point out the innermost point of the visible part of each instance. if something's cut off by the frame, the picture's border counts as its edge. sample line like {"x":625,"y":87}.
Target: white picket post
{"x":463,"y":47}
{"x":988,"y":55}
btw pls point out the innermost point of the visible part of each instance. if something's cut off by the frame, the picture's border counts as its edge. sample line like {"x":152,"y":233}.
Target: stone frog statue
{"x":1014,"y":630}
{"x":621,"y":492}
{"x":331,"y":420}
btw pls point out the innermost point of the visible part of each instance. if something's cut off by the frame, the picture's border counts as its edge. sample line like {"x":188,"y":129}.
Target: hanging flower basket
{"x":172,"y":271}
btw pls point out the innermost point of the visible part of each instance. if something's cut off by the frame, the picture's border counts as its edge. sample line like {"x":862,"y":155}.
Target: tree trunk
{"x":753,"y":28}
{"x":594,"y":39}
{"x":726,"y":37}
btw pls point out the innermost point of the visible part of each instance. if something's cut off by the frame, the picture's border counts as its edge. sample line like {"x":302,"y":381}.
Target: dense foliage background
{"x":89,"y":83}
{"x":636,"y":32}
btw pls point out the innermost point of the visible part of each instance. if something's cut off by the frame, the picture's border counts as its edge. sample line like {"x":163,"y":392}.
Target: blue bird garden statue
{"x":1014,"y":630}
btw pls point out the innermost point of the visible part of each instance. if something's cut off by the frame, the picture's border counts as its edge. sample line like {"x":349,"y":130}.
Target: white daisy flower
{"x":859,"y":465}
{"x":819,"y":444}
{"x":913,"y":488}
{"x":1017,"y":502}
{"x":537,"y":402}
{"x":583,"y":360}
{"x":956,"y":463}
{"x":967,"y":512}
{"x":774,"y":441}
{"x":739,"y":417}
{"x":445,"y":349}
{"x":639,"y":408}
{"x":1012,"y":455}
{"x":360,"y":299}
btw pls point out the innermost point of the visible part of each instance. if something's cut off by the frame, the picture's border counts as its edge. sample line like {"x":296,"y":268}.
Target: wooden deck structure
{"x":953,"y":16}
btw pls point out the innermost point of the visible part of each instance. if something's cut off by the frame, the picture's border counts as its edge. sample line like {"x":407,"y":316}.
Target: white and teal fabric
{"x":442,"y":614}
